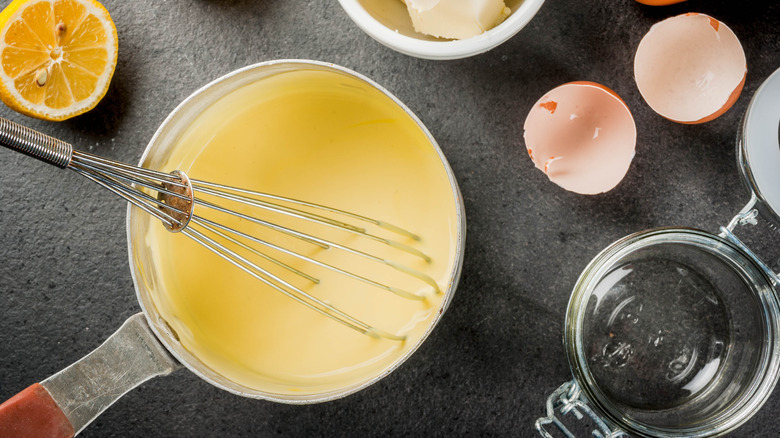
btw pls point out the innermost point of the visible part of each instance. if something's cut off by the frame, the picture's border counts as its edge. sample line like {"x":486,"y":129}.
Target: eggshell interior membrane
{"x":690,"y":68}
{"x":581,"y":135}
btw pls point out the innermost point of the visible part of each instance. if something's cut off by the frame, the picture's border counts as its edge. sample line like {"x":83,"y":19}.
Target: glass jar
{"x":674,"y":331}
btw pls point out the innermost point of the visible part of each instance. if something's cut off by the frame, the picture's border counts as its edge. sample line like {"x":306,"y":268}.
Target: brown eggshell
{"x":659,"y":2}
{"x":690,"y":68}
{"x":582,"y":136}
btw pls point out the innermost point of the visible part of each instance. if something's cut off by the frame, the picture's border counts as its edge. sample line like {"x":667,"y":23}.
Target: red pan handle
{"x":65,"y":403}
{"x":33,"y":413}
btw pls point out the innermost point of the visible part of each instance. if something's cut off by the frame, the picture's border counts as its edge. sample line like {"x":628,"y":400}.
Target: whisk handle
{"x":35,"y":144}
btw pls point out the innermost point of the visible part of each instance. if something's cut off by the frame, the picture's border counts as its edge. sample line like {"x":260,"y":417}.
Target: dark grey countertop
{"x":487,"y":369}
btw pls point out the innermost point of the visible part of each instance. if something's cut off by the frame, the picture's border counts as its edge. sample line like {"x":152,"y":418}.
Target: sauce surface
{"x":327,"y":138}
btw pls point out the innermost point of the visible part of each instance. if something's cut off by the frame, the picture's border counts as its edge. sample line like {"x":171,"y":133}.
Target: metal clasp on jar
{"x":753,"y":222}
{"x":568,"y":400}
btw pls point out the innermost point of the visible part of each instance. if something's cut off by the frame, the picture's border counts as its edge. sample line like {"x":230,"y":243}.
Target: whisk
{"x":175,"y":206}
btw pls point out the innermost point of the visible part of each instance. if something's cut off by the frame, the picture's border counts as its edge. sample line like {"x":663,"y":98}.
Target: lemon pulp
{"x":57,"y":57}
{"x":328,"y":138}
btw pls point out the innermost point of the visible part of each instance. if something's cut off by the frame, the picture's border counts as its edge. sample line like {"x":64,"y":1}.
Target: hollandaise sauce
{"x":324,"y":137}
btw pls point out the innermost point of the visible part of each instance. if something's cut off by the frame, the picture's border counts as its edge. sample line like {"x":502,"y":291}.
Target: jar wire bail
{"x":752,"y":222}
{"x":568,"y":399}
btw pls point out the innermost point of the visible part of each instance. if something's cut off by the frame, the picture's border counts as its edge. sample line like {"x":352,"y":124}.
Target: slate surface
{"x":488,"y":367}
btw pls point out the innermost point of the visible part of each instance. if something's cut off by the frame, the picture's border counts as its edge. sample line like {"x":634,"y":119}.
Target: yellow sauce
{"x":328,"y":138}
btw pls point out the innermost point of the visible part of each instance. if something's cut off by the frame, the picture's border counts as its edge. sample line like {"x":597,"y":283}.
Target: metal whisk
{"x":175,"y":205}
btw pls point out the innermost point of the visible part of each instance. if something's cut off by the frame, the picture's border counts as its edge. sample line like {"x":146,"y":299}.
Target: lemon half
{"x":57,"y":56}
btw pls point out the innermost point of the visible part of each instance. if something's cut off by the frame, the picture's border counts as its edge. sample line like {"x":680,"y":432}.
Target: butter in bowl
{"x":441,"y":29}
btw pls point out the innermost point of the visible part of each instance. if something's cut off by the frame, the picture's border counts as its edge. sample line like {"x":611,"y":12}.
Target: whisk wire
{"x":135,"y":197}
{"x":288,"y":289}
{"x":327,"y":244}
{"x":210,"y":225}
{"x":115,"y":167}
{"x":279,"y":209}
{"x":255,"y":194}
{"x":309,"y":216}
{"x":129,"y":179}
{"x":214,"y":228}
{"x":174,"y":206}
{"x":153,"y":180}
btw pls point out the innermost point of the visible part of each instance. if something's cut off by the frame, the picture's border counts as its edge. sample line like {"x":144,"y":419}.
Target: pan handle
{"x":65,"y":403}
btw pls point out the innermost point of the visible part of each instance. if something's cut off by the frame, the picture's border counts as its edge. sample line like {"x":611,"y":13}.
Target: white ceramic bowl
{"x":388,"y":22}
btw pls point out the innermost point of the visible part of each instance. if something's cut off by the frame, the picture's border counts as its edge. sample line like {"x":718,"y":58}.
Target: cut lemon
{"x":57,"y":56}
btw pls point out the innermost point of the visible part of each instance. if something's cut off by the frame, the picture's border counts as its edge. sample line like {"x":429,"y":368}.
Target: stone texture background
{"x":488,"y":367}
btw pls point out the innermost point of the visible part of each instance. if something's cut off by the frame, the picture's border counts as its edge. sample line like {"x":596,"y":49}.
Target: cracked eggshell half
{"x":690,"y":68}
{"x":582,"y":136}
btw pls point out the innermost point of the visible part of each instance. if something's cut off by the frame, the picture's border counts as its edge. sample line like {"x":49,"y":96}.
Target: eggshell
{"x":690,"y":68}
{"x":659,"y":2}
{"x":582,"y":135}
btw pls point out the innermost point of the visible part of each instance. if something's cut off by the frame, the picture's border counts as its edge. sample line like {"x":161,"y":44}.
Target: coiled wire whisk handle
{"x":35,"y":144}
{"x":121,"y":179}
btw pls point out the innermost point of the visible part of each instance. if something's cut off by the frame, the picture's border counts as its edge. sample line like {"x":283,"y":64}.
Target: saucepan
{"x":154,"y":343}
